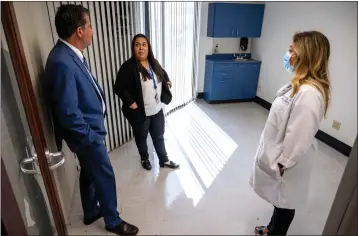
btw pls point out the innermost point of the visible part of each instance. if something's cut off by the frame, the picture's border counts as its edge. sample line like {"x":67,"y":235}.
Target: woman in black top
{"x":142,"y":85}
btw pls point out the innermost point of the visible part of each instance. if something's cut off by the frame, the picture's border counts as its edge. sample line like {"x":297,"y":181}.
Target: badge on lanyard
{"x":154,"y":84}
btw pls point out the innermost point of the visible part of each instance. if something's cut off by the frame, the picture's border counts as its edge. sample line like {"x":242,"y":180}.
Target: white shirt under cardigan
{"x":80,"y":55}
{"x":150,"y":104}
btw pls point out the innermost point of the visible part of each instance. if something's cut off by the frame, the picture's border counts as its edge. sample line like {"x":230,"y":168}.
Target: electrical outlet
{"x":336,"y":125}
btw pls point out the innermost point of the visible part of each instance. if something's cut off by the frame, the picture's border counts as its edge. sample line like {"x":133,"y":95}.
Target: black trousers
{"x":155,"y":125}
{"x":280,"y":221}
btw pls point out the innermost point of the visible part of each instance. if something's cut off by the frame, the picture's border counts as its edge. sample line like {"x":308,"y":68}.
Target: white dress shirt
{"x":80,"y":55}
{"x":151,"y":106}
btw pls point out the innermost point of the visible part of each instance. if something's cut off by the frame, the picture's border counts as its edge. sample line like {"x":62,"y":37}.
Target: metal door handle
{"x":51,"y":156}
{"x":58,"y":164}
{"x":33,"y":158}
{"x":25,"y":170}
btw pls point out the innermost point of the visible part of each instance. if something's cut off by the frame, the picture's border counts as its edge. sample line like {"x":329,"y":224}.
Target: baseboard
{"x":263,"y":103}
{"x":334,"y":143}
{"x":201,"y":96}
{"x":322,"y":136}
{"x":230,"y":101}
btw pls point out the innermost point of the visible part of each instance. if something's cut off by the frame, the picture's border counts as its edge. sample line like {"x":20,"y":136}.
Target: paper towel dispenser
{"x":244,"y":42}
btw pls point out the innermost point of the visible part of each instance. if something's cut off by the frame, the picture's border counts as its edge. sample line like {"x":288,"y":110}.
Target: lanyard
{"x":152,"y":76}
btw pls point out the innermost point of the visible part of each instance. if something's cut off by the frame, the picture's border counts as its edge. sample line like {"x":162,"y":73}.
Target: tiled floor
{"x":210,"y":194}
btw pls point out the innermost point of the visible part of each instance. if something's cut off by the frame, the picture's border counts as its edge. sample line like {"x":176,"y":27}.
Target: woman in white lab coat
{"x":283,"y":161}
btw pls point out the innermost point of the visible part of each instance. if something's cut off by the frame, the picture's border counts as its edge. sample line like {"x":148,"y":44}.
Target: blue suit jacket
{"x":75,"y":104}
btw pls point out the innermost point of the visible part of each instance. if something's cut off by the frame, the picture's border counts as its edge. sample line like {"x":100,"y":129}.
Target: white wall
{"x":36,"y":35}
{"x":207,"y":45}
{"x":336,"y":20}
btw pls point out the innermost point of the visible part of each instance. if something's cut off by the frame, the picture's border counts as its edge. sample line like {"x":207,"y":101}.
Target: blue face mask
{"x":286,"y":63}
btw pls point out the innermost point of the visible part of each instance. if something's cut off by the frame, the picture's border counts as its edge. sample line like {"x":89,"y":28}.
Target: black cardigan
{"x":128,"y":87}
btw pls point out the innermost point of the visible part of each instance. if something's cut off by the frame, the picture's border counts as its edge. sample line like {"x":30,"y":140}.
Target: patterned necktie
{"x":85,"y":63}
{"x":89,"y":71}
{"x":95,"y":81}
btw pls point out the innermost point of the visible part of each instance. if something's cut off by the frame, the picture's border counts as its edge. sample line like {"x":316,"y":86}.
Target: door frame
{"x":17,"y":54}
{"x":343,"y":214}
{"x":9,"y":207}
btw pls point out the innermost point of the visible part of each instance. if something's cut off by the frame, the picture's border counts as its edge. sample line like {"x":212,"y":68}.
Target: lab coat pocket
{"x":282,"y":172}
{"x":279,"y":175}
{"x":266,"y":163}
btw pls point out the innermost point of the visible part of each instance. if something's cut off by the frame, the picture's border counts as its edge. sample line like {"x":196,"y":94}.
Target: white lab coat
{"x":288,"y":139}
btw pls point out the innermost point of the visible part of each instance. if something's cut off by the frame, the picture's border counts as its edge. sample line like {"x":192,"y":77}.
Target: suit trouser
{"x":98,"y":184}
{"x":280,"y":221}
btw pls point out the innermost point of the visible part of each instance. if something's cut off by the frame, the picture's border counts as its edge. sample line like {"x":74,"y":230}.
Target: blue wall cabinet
{"x":230,"y":80}
{"x":233,"y":20}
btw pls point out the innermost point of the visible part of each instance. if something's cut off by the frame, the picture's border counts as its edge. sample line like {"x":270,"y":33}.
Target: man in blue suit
{"x":78,"y":109}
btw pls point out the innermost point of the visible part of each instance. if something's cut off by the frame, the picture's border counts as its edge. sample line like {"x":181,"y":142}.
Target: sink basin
{"x":241,"y":59}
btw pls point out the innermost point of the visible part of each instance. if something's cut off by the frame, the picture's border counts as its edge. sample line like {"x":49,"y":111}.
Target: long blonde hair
{"x":311,"y":63}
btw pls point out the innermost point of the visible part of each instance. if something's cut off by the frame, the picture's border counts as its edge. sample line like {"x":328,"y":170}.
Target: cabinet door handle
{"x":232,"y":32}
{"x":237,"y":32}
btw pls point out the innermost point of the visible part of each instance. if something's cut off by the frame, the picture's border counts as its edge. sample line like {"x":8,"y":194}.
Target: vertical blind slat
{"x":116,"y":66}
{"x":105,"y":62}
{"x":111,"y":74}
{"x":121,"y":60}
{"x":126,"y":48}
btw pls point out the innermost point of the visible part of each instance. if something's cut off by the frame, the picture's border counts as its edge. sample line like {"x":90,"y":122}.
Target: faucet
{"x":239,"y":56}
{"x":241,"y":48}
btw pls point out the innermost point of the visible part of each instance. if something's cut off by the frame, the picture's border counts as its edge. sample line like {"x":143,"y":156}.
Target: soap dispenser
{"x":216,"y":50}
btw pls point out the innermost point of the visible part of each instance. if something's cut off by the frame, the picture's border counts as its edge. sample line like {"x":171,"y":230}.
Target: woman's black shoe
{"x":171,"y":165}
{"x":146,"y":165}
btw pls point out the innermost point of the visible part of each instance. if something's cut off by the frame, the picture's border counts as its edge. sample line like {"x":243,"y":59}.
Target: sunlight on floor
{"x":187,"y":178}
{"x":201,"y":147}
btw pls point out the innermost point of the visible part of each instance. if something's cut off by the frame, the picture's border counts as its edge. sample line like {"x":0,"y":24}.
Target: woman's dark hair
{"x":68,"y":18}
{"x":152,"y":61}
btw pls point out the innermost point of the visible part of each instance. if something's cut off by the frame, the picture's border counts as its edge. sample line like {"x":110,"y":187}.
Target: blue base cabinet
{"x":234,"y":20}
{"x":230,"y":80}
